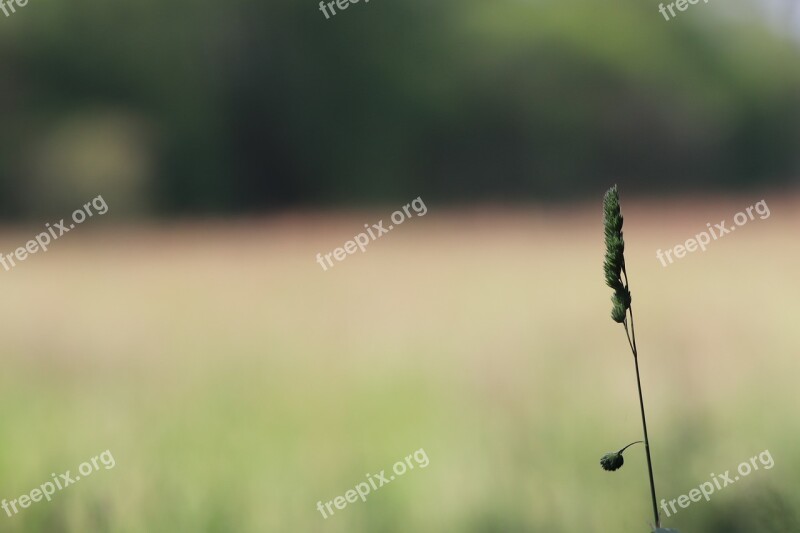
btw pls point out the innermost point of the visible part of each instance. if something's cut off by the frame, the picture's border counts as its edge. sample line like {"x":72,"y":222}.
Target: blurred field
{"x":237,"y":384}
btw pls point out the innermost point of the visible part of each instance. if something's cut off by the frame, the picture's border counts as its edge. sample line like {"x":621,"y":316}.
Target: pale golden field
{"x":237,"y":384}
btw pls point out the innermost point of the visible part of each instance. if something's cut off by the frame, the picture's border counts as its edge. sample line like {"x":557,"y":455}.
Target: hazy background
{"x":190,"y":331}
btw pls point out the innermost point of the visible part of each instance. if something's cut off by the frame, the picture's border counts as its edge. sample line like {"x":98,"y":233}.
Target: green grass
{"x":237,"y":384}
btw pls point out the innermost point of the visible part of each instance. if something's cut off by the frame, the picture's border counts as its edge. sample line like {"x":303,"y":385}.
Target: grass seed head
{"x":614,"y":262}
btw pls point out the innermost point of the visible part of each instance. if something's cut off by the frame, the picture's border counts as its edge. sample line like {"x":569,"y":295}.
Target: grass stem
{"x":632,"y":342}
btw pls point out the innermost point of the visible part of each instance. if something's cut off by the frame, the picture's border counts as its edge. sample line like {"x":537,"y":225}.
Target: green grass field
{"x":237,"y":384}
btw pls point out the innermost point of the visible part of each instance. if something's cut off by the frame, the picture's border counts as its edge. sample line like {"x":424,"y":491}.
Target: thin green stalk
{"x":632,"y":342}
{"x":614,"y":273}
{"x":629,"y":445}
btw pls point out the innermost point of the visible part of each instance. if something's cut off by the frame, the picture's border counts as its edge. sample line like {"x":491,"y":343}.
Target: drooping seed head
{"x":612,"y":461}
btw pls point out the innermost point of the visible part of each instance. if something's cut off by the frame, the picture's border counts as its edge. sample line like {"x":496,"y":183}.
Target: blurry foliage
{"x":763,"y":510}
{"x":251,"y":105}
